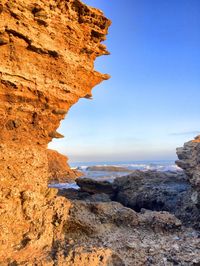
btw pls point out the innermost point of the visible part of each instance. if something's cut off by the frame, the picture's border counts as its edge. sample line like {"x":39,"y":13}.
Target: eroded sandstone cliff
{"x":47,"y":52}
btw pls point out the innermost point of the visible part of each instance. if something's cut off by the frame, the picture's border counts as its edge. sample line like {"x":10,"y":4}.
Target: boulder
{"x":151,"y":190}
{"x":95,"y":187}
{"x":158,"y":191}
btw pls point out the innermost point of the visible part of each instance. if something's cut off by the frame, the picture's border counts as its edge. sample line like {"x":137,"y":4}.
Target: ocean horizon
{"x":160,"y":165}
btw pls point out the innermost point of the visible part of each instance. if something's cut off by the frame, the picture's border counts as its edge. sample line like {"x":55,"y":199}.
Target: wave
{"x":135,"y":166}
{"x":64,"y":185}
{"x":163,"y":166}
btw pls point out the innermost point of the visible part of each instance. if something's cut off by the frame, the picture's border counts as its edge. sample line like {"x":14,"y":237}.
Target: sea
{"x":165,"y":166}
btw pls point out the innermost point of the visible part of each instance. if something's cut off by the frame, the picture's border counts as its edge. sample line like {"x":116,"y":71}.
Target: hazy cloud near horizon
{"x":186,"y":133}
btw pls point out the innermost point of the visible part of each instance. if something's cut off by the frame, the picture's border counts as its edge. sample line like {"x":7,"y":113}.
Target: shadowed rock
{"x":95,"y":187}
{"x":189,"y":161}
{"x":151,"y":190}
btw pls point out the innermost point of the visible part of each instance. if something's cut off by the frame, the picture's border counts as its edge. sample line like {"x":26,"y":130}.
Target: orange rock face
{"x":60,"y":171}
{"x":47,"y":52}
{"x":47,"y":55}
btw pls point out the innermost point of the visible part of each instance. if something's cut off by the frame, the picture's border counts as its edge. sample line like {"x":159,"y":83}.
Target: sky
{"x":151,"y":104}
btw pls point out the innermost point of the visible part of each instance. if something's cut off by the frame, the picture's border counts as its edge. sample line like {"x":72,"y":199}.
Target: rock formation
{"x":189,"y":161}
{"x":60,"y":171}
{"x":95,"y":187}
{"x":108,"y":169}
{"x":47,"y":51}
{"x":151,"y":190}
{"x":107,"y":233}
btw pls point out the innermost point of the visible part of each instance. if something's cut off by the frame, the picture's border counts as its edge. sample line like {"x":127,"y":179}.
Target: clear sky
{"x":151,"y":104}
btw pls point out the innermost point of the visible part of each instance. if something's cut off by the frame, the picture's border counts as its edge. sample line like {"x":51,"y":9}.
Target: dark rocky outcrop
{"x":151,"y":190}
{"x":158,"y":191}
{"x":95,"y":187}
{"x":189,"y":161}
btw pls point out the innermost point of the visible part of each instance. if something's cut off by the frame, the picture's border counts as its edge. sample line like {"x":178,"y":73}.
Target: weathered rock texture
{"x":151,"y":190}
{"x":158,"y":191}
{"x":97,"y":229}
{"x":189,"y":161}
{"x":47,"y":52}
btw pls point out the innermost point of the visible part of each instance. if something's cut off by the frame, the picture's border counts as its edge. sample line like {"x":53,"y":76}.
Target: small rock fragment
{"x":56,"y":135}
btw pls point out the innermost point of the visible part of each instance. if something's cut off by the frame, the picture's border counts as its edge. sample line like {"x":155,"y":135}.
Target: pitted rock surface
{"x":189,"y":161}
{"x":47,"y":52}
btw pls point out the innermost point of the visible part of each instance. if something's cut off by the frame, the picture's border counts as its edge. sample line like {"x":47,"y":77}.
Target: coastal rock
{"x":75,"y":194}
{"x":92,"y":217}
{"x":108,"y":168}
{"x":59,"y":170}
{"x":160,"y":220}
{"x":132,"y":238}
{"x":189,"y":161}
{"x":47,"y":52}
{"x":94,"y":186}
{"x":158,"y":191}
{"x":152,"y":190}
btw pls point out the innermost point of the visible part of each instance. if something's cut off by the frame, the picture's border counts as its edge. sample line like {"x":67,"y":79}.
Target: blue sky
{"x":150,"y":105}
